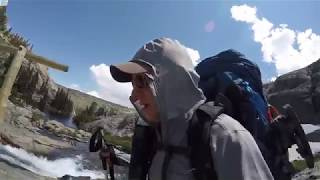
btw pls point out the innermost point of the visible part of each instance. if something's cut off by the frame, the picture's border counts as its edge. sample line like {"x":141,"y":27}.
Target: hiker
{"x":166,"y":95}
{"x":107,"y":156}
{"x":142,"y":151}
{"x":272,"y":113}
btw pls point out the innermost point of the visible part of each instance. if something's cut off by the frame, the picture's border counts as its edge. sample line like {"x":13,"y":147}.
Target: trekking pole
{"x":10,"y":77}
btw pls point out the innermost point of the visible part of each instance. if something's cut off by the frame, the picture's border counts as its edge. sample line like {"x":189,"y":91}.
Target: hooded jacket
{"x":175,"y":86}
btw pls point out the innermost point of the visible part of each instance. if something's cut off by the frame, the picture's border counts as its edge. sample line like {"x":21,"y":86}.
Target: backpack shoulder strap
{"x":199,"y":141}
{"x":211,"y":110}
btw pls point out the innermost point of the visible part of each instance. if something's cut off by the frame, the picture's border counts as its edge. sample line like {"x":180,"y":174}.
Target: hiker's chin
{"x":151,"y":115}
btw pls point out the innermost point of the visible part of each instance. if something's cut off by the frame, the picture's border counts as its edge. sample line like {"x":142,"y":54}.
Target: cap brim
{"x":124,"y":72}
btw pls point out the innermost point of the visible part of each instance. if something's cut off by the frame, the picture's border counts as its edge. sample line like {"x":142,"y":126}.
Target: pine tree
{"x":93,"y":108}
{"x":44,"y":87}
{"x":62,"y":103}
{"x":55,"y":101}
{"x":100,"y":112}
{"x":68,"y":109}
{"x":43,"y":102}
{"x":33,"y":83}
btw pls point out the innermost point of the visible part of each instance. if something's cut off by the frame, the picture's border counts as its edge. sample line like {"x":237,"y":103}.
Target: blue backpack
{"x":231,"y":74}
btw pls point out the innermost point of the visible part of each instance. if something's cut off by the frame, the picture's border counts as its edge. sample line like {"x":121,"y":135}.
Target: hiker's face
{"x":141,"y":92}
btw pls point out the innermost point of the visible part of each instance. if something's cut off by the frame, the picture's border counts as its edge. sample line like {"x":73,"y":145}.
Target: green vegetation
{"x":6,"y":64}
{"x":43,"y":104}
{"x":3,"y":18}
{"x":301,"y":165}
{"x":17,"y":40}
{"x":91,"y":113}
{"x":83,"y":117}
{"x":111,"y":111}
{"x":25,"y":86}
{"x":37,"y":117}
{"x":87,"y":115}
{"x":123,"y":142}
{"x":101,"y":112}
{"x":82,"y":101}
{"x":61,"y":104}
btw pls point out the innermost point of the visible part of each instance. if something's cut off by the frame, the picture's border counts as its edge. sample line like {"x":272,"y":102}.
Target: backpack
{"x":232,"y":85}
{"x":237,"y":81}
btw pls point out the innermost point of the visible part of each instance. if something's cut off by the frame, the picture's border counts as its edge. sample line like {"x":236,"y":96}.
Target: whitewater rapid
{"x":44,"y":167}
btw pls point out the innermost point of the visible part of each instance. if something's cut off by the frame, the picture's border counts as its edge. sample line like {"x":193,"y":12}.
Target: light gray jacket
{"x":175,"y":86}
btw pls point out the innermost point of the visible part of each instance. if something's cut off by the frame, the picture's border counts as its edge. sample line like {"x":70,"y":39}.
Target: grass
{"x":123,"y":142}
{"x":301,"y":165}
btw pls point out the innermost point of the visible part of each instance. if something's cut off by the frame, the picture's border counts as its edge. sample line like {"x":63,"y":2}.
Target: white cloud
{"x":209,"y":27}
{"x":108,"y":88}
{"x":3,"y":2}
{"x":77,"y":87}
{"x":288,"y":49}
{"x":272,"y":79}
{"x":94,"y":93}
{"x":244,"y":13}
{"x":74,"y":86}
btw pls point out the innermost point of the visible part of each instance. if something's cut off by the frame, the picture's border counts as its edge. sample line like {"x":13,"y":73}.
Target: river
{"x":75,"y":161}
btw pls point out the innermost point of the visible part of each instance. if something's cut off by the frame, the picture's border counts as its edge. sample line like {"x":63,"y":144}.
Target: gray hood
{"x":175,"y":86}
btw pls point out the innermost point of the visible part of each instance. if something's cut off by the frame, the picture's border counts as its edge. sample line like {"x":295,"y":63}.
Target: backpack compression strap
{"x":199,"y":141}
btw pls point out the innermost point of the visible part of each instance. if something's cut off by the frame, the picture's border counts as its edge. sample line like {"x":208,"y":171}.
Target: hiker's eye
{"x":140,"y":81}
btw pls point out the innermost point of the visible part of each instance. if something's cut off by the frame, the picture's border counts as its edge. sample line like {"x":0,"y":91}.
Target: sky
{"x":90,"y":35}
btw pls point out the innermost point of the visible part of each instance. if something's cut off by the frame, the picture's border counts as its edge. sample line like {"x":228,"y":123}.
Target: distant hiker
{"x":144,"y":145}
{"x":166,"y":95}
{"x":107,"y":153}
{"x":272,"y":113}
{"x":107,"y":156}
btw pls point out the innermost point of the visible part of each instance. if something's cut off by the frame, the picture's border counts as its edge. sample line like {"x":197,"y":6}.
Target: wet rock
{"x":68,"y":177}
{"x":119,"y":125}
{"x":60,"y":130}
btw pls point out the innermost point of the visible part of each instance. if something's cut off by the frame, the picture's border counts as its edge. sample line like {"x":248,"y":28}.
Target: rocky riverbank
{"x":31,"y":132}
{"x":29,"y":129}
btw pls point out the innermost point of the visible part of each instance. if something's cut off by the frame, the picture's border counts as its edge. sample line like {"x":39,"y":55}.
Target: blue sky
{"x":89,"y":35}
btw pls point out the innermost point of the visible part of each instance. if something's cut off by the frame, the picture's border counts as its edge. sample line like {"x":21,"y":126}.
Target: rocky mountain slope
{"x":82,"y":100}
{"x":301,"y":89}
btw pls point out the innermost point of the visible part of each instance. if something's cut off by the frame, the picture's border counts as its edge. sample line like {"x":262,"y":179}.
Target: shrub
{"x":36,"y":118}
{"x":82,"y":117}
{"x":112,"y":111}
{"x":124,"y":142}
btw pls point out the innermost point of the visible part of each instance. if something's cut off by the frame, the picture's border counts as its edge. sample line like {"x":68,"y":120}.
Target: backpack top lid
{"x":230,"y":72}
{"x":229,"y":61}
